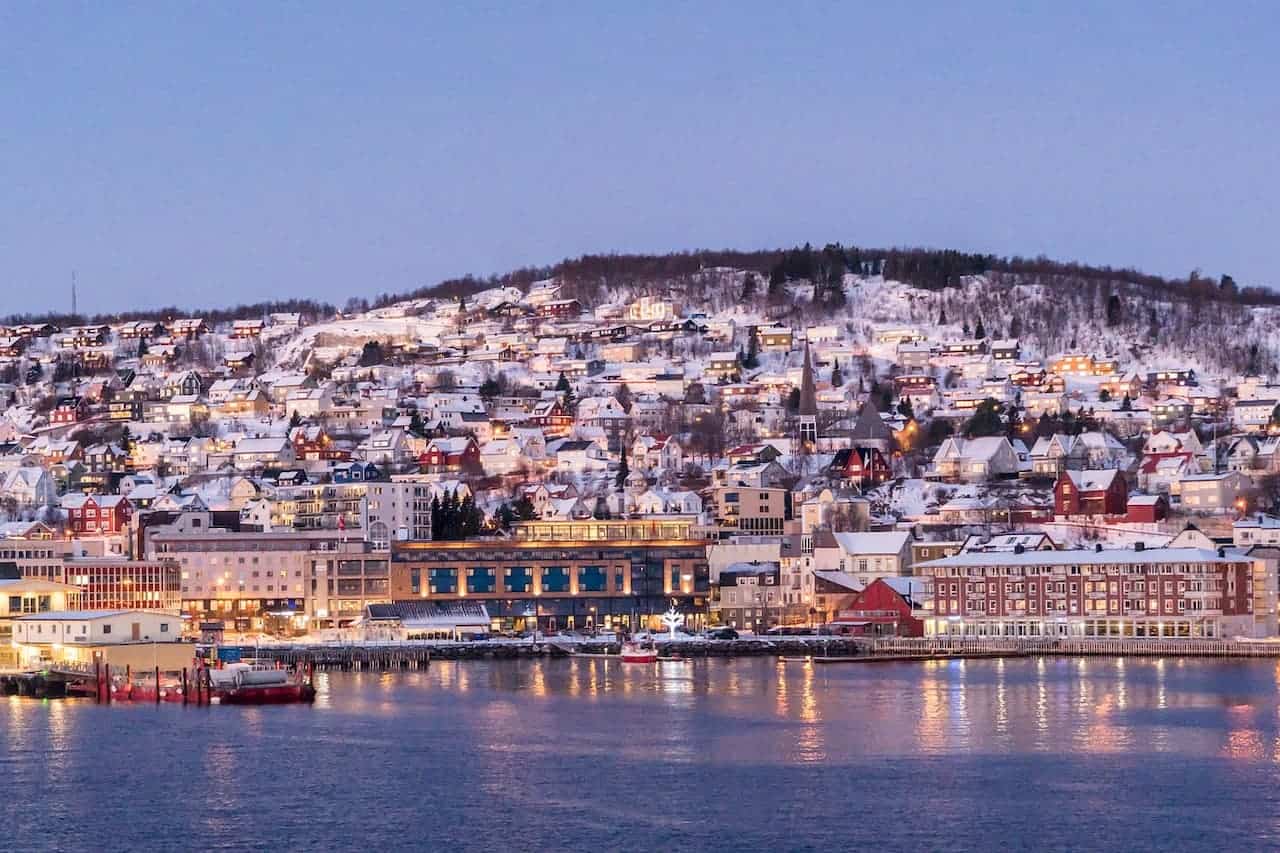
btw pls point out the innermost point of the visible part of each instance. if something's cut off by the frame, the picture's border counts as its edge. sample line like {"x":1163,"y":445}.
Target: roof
{"x":888,"y":542}
{"x":1092,"y":481}
{"x":80,"y":615}
{"x":429,"y":613}
{"x":1077,"y":557}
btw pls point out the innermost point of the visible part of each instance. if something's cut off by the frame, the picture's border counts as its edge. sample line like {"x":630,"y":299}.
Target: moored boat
{"x":639,"y":653}
{"x":248,"y":684}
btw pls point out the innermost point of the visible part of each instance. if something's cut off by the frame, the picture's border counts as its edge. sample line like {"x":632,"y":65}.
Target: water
{"x":748,"y":754}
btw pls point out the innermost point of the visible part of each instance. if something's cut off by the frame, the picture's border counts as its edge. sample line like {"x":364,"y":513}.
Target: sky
{"x":213,"y":154}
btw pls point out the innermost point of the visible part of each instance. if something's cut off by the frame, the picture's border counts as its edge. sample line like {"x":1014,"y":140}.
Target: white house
{"x":975,"y":459}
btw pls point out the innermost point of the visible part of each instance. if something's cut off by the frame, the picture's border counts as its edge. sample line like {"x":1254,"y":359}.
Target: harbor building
{"x":566,"y":575}
{"x":1155,"y":592}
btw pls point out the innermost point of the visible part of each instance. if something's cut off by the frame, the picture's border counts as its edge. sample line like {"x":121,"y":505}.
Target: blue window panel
{"x":443,"y":581}
{"x":480,"y":580}
{"x":555,"y":579}
{"x":519,"y":580}
{"x":591,"y":579}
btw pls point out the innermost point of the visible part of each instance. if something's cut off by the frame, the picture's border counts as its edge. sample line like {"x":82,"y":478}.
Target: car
{"x":722,"y":633}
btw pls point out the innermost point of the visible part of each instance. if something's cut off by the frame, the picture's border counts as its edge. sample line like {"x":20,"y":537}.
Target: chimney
{"x":1018,"y":549}
{"x":1139,"y":545}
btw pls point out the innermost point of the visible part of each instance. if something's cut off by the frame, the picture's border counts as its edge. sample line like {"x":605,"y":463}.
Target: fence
{"x":1116,"y":647}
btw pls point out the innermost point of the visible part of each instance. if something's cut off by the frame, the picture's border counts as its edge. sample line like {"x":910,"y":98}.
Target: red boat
{"x":639,"y":653}
{"x":247,"y":684}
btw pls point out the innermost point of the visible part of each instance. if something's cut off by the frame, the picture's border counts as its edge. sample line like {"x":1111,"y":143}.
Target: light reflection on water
{"x":623,"y":756}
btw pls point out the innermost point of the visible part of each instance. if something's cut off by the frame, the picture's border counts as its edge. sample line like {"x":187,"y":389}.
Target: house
{"x":188,"y":327}
{"x":1147,"y":509}
{"x":96,"y":514}
{"x":886,"y":607}
{"x":1173,"y":442}
{"x":1213,"y":492}
{"x":723,"y":364}
{"x":579,"y":456}
{"x":975,"y":459}
{"x":246,"y":329}
{"x":29,"y":486}
{"x":749,"y":595}
{"x":69,"y":410}
{"x":1253,"y":415}
{"x":1090,"y":493}
{"x":386,"y":447}
{"x":274,"y":451}
{"x":775,"y":338}
{"x":1005,"y":350}
{"x":656,"y":453}
{"x":864,"y":466}
{"x":867,"y":556}
{"x":662,"y":501}
{"x":451,"y":454}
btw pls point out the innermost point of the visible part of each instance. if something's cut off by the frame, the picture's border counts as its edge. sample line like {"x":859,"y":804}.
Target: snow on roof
{"x":1078,"y":556}
{"x":890,"y":542}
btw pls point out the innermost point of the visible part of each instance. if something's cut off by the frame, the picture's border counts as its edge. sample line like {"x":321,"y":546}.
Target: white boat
{"x":639,"y":653}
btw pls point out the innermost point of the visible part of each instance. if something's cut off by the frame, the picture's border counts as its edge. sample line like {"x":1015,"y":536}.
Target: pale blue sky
{"x":213,"y":153}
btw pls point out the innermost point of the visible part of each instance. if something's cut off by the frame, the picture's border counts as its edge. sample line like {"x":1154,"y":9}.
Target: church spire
{"x":808,"y":413}
{"x":808,"y":394}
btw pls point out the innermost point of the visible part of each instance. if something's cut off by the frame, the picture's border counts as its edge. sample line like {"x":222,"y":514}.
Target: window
{"x":164,"y":627}
{"x":106,"y":629}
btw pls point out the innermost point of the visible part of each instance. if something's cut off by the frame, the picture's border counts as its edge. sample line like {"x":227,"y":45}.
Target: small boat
{"x":639,"y":653}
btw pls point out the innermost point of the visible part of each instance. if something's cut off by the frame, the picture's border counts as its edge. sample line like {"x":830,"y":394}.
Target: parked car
{"x":721,"y":633}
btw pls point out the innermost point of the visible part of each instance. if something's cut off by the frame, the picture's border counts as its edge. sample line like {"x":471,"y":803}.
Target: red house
{"x":312,"y":443}
{"x":97,"y":514}
{"x":69,"y":410}
{"x":1090,"y":493}
{"x":451,"y":454}
{"x":884,"y":608}
{"x":864,"y":465}
{"x":1147,"y":509}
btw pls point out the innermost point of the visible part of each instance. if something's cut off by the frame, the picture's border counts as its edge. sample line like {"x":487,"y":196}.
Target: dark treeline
{"x":587,"y":276}
{"x":933,"y":269}
{"x":308,"y":308}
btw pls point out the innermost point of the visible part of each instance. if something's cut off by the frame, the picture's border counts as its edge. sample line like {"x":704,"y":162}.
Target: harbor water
{"x":744,"y":754}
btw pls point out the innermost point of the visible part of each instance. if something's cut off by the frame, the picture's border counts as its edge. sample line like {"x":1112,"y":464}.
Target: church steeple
{"x":808,"y":414}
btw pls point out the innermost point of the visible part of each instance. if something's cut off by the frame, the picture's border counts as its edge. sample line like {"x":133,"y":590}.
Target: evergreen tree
{"x":1115,"y":310}
{"x":142,"y":347}
{"x":1104,"y":396}
{"x":601,"y":511}
{"x":490,"y":388}
{"x":524,"y":509}
{"x":777,"y":286}
{"x":624,"y":470}
{"x":793,"y":401}
{"x":837,"y":378}
{"x":623,"y":396}
{"x":506,"y":516}
{"x":126,"y":440}
{"x":295,"y":420}
{"x":905,"y":408}
{"x":752,"y":359}
{"x":986,"y":420}
{"x":566,"y":393}
{"x":964,"y":329}
{"x":942,"y":316}
{"x":1126,"y":405}
{"x":416,"y":426}
{"x":1015,"y":327}
{"x":979,"y":331}
{"x":749,"y":287}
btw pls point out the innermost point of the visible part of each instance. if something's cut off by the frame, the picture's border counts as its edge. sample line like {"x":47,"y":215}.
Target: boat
{"x":258,"y":684}
{"x":639,"y":653}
